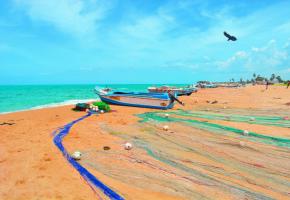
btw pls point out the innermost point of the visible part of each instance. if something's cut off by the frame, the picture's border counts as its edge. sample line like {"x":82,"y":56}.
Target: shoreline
{"x":52,"y":105}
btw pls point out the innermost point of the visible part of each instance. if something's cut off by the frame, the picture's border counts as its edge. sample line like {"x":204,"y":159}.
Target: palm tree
{"x":279,"y":79}
{"x":272,"y":77}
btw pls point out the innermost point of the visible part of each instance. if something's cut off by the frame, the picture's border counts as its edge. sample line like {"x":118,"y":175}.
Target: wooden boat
{"x":206,"y":84}
{"x":137,"y":99}
{"x":228,"y":85}
{"x":178,"y":91}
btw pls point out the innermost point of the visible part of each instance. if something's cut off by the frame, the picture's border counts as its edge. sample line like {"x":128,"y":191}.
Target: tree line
{"x":258,"y":78}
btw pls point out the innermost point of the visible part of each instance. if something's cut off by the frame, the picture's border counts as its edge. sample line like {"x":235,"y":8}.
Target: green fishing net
{"x":102,"y":106}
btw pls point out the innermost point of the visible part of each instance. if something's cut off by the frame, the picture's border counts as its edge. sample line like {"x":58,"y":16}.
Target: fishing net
{"x":276,"y":141}
{"x":102,"y":106}
{"x":251,"y":119}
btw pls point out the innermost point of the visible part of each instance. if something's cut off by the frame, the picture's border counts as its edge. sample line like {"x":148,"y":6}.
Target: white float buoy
{"x":166,"y":115}
{"x":242,"y":144}
{"x":128,"y":146}
{"x":165,"y":128}
{"x":76,"y":155}
{"x":252,"y":119}
{"x":245,"y":132}
{"x":101,"y":111}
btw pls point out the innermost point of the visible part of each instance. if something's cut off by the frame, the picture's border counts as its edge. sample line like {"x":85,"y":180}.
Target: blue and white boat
{"x":137,"y":99}
{"x":206,"y":84}
{"x":178,"y":91}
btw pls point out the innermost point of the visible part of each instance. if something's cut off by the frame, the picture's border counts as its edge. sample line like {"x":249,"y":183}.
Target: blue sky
{"x":149,"y":41}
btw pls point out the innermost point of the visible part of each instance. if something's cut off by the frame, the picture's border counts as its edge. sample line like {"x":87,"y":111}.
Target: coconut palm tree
{"x":279,"y":79}
{"x":273,"y":76}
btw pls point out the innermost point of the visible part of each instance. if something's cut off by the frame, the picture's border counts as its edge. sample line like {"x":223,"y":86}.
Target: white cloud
{"x":270,"y":57}
{"x":287,"y":44}
{"x":76,"y":17}
{"x":234,"y":60}
{"x":149,"y":27}
{"x":284,"y":27}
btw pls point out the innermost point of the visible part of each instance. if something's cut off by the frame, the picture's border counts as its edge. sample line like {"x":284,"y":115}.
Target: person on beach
{"x":267,"y":84}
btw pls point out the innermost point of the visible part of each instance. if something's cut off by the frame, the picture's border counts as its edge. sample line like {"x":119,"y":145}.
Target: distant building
{"x":260,"y":82}
{"x":275,"y":80}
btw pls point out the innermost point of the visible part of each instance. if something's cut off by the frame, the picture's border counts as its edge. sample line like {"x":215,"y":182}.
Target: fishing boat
{"x":228,"y":85}
{"x":137,"y":99}
{"x":178,"y":91}
{"x":206,"y":84}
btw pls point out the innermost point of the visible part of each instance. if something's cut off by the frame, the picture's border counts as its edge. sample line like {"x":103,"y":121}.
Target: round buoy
{"x":101,"y":111}
{"x":242,"y":144}
{"x":165,"y":128}
{"x":252,"y":119}
{"x":128,"y":146}
{"x":76,"y":155}
{"x":166,"y":115}
{"x":245,"y":132}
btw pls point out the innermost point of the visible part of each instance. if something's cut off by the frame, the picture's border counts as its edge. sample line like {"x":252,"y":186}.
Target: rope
{"x":89,"y":177}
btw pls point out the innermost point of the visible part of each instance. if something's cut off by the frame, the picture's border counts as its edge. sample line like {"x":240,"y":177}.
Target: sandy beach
{"x":194,"y":159}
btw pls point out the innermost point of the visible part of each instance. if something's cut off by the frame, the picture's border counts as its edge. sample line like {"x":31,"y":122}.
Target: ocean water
{"x":17,"y":98}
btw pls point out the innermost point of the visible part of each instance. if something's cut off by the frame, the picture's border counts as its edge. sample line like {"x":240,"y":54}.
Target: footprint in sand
{"x":41,"y":176}
{"x":47,"y":159}
{"x":20,"y":182}
{"x":42,"y":168}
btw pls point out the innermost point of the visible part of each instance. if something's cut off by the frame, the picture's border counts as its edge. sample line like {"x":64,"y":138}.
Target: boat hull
{"x":142,"y":101}
{"x":178,"y":92}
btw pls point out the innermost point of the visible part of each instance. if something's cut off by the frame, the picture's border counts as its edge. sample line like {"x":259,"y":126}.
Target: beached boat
{"x":206,"y":84}
{"x":137,"y":99}
{"x":228,"y":85}
{"x":178,"y":91}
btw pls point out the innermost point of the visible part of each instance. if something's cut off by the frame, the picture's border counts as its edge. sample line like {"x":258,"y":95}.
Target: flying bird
{"x":230,"y":37}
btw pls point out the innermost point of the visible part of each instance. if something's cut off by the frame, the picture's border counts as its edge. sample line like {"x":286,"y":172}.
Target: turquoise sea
{"x":25,"y":97}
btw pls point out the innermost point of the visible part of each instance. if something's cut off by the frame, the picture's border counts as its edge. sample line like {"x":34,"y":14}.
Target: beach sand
{"x":192,"y":160}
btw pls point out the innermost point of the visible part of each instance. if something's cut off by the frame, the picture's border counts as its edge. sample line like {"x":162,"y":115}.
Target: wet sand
{"x":194,"y":159}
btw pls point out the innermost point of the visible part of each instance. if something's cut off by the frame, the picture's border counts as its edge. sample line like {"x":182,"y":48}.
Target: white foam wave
{"x":52,"y":105}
